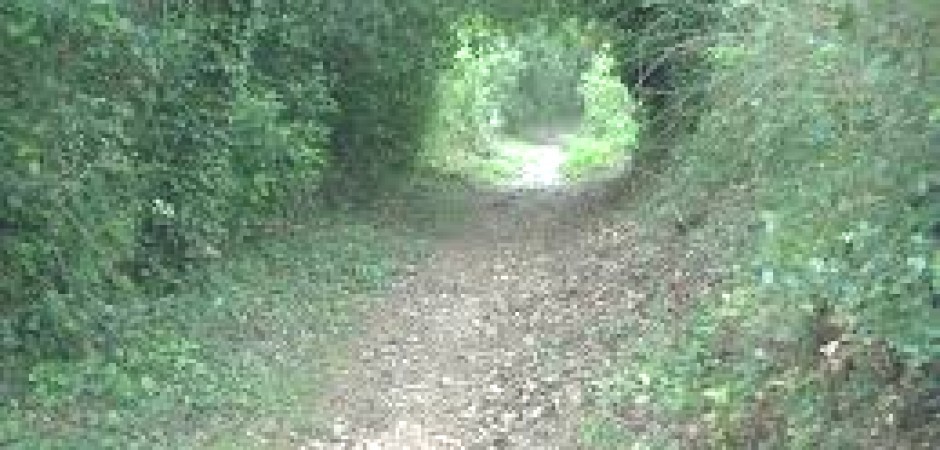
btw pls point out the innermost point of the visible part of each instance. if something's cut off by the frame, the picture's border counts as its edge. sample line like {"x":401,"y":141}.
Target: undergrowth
{"x":826,"y":332}
{"x":235,"y":358}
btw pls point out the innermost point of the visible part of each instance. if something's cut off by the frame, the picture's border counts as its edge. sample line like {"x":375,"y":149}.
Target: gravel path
{"x":492,"y":341}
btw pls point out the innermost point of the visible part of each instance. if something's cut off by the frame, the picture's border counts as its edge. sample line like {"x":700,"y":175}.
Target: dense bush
{"x":502,"y":80}
{"x":661,"y":48}
{"x":609,"y":128}
{"x":827,"y":335}
{"x":472,"y":93}
{"x":385,"y":57}
{"x":141,"y":138}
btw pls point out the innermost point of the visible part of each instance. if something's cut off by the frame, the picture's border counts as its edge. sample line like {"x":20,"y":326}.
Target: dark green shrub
{"x":136,"y":143}
{"x":826,"y":337}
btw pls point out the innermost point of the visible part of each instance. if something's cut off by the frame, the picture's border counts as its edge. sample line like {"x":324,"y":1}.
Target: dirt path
{"x":492,"y":341}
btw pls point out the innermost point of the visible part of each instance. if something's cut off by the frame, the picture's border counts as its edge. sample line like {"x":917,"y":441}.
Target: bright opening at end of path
{"x":540,"y":165}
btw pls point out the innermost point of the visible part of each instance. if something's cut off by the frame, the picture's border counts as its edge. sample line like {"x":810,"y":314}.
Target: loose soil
{"x":493,"y":341}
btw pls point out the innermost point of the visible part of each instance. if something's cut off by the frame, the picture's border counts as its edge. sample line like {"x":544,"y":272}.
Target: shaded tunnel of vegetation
{"x":147,"y":147}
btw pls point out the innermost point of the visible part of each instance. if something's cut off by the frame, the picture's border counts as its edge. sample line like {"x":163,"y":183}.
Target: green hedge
{"x":827,"y":334}
{"x":141,"y":138}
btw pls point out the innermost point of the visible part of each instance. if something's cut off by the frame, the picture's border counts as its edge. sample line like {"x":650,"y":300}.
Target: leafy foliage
{"x":508,"y":86}
{"x":609,"y":129}
{"x":199,"y":367}
{"x":831,"y":316}
{"x":147,"y":137}
{"x":140,"y":141}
